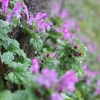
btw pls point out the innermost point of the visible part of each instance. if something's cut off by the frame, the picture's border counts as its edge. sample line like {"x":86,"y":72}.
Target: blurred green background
{"x":86,"y":13}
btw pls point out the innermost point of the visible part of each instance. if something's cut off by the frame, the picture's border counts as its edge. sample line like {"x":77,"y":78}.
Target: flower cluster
{"x":48,"y":78}
{"x":53,"y":69}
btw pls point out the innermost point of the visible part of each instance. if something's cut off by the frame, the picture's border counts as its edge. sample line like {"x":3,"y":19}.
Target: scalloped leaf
{"x":37,"y":43}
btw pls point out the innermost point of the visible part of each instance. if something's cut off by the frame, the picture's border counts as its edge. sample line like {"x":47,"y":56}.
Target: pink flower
{"x":71,"y":24}
{"x":98,"y":58}
{"x":91,"y":48}
{"x":63,"y":13}
{"x":56,"y":9}
{"x":97,"y":90}
{"x":67,"y":82}
{"x":66,"y":35}
{"x":90,"y":74}
{"x":30,"y":18}
{"x":15,"y":11}
{"x":56,"y":29}
{"x":56,"y":97}
{"x":40,"y":16}
{"x":42,"y":26}
{"x":54,"y":54}
{"x":26,"y":12}
{"x":98,"y":82}
{"x":35,"y":66}
{"x":47,"y":78}
{"x":4,"y":5}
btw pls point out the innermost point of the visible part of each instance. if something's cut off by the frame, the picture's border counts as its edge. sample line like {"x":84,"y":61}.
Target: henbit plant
{"x":55,"y":53}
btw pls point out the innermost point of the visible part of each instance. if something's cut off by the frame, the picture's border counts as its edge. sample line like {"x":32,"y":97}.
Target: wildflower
{"x":56,"y":97}
{"x":90,"y":74}
{"x":91,"y":48}
{"x":54,"y":54}
{"x":42,"y":26}
{"x":56,"y":9}
{"x":35,"y":66}
{"x":30,"y":18}
{"x":66,"y":35}
{"x":47,"y":25}
{"x":67,"y":82}
{"x":15,"y":11}
{"x":98,"y":58}
{"x":26,"y":12}
{"x":47,"y":78}
{"x":4,"y":5}
{"x":63,"y":14}
{"x":97,"y":90}
{"x":40,"y":16}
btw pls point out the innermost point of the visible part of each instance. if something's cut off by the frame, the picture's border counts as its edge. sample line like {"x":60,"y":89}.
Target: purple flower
{"x":47,"y":25}
{"x":47,"y":78}
{"x":30,"y":18}
{"x":98,"y":58}
{"x":42,"y":26}
{"x":4,"y":5}
{"x":91,"y":48}
{"x":15,"y":11}
{"x":56,"y":29}
{"x":35,"y":66}
{"x":40,"y":16}
{"x":26,"y":12}
{"x":66,"y":35}
{"x":71,"y":24}
{"x":55,"y":97}
{"x":43,"y":16}
{"x":90,"y":74}
{"x":67,"y":82}
{"x":63,"y":13}
{"x":98,"y":82}
{"x":83,"y":39}
{"x":54,"y":54}
{"x":97,"y":90}
{"x":56,"y":9}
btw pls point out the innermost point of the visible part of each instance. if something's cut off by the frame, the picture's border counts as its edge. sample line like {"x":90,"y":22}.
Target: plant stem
{"x":3,"y":74}
{"x":23,"y":47}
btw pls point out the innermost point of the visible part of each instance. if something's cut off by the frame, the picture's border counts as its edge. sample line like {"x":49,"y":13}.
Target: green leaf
{"x":65,"y":97}
{"x":7,"y":57}
{"x":37,"y":43}
{"x":20,"y":95}
{"x":28,"y":31}
{"x":4,"y":29}
{"x":14,"y":22}
{"x":67,"y":58}
{"x":6,"y":95}
{"x":13,"y":46}
{"x":18,"y":76}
